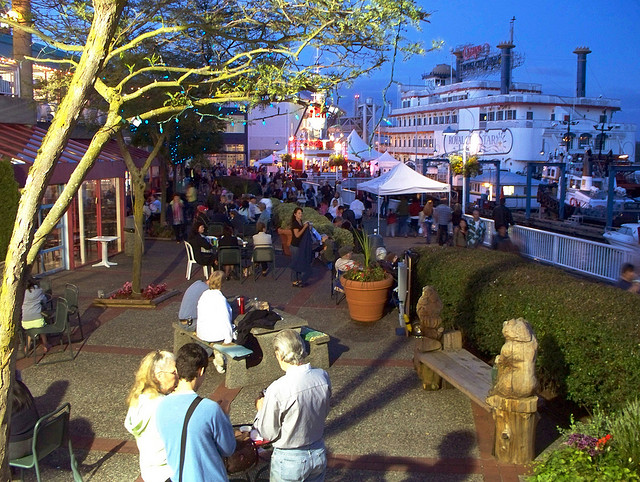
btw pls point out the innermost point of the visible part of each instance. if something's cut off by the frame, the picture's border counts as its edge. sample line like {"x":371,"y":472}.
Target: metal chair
{"x":337,"y":289}
{"x":191,"y":260}
{"x":248,"y":230}
{"x":263,"y":254}
{"x":215,"y":229}
{"x":230,"y":255}
{"x":71,"y":293}
{"x":59,"y":326}
{"x":51,"y":432}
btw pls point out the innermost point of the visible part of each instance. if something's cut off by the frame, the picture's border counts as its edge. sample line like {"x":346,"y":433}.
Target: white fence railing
{"x":589,"y":258}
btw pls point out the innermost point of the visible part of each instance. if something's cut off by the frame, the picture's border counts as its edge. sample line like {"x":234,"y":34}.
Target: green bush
{"x":9,"y":198}
{"x":282,"y":212}
{"x":588,"y":332}
{"x":239,"y":185}
{"x":602,"y":448}
{"x":625,"y":428}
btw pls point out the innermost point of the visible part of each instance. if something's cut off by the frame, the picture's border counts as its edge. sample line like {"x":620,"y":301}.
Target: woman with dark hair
{"x":460,"y":234}
{"x":32,"y":316}
{"x":227,"y":239}
{"x":301,"y":251}
{"x":203,"y":251}
{"x":24,"y":416}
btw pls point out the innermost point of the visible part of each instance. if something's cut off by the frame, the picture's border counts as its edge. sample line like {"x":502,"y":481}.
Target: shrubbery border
{"x":588,"y":332}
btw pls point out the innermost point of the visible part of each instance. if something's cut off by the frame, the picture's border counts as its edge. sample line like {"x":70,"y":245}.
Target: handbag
{"x":244,"y":456}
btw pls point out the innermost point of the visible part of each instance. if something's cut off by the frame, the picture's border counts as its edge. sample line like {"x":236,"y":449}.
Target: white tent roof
{"x":270,"y":159}
{"x":402,"y":180}
{"x":386,"y":160}
{"x":357,"y":148}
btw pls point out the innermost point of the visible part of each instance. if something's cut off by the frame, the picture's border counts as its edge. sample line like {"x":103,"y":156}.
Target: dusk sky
{"x":546,"y":32}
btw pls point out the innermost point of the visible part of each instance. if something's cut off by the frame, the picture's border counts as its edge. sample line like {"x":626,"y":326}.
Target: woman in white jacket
{"x":156,"y":377}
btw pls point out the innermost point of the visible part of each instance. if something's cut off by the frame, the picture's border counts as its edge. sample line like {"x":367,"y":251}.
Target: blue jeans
{"x":307,"y":464}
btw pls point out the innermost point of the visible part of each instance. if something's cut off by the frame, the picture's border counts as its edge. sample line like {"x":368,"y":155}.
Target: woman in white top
{"x":215,"y":318}
{"x":333,"y":209}
{"x":214,"y":313}
{"x":156,"y":377}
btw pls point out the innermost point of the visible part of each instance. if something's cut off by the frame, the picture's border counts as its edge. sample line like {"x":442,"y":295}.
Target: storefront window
{"x":51,"y":256}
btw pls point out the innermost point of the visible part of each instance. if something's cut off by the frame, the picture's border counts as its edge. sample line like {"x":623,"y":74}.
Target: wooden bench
{"x":462,"y":370}
{"x":241,"y":371}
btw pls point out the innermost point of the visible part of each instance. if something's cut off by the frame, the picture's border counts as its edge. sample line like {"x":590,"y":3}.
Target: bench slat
{"x":464,"y":371}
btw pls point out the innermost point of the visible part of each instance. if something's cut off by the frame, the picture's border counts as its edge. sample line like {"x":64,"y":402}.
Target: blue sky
{"x":546,"y":33}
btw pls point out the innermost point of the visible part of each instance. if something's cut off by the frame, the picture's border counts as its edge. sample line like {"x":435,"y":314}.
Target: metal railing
{"x":589,"y":258}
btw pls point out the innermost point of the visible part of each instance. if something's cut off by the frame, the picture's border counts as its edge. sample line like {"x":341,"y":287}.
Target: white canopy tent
{"x":271,"y":158}
{"x":402,"y":180}
{"x":384,"y":163}
{"x":358,"y":149}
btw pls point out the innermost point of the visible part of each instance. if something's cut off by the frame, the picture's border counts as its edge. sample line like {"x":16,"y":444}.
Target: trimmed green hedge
{"x":282,"y":212}
{"x":240,"y":185}
{"x":588,"y":332}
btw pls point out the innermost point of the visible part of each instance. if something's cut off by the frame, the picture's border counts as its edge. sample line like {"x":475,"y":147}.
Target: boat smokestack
{"x":581,"y":80}
{"x":587,"y":171}
{"x":459,"y":57}
{"x":505,"y":66}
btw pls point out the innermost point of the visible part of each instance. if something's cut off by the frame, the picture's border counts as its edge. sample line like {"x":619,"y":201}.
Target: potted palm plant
{"x":367,"y":287}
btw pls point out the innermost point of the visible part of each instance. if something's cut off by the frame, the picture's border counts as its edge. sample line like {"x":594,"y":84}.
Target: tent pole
{"x":379,"y":204}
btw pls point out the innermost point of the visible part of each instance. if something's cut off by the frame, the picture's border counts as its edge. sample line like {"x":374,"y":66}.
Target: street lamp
{"x":465,"y":147}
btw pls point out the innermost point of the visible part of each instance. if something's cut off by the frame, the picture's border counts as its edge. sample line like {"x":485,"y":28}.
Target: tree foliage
{"x":154,"y":60}
{"x":9,"y":197}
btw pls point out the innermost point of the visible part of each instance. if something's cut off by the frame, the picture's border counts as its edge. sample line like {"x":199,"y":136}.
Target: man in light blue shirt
{"x":188,"y":313}
{"x":210,"y":434}
{"x":292,"y":414}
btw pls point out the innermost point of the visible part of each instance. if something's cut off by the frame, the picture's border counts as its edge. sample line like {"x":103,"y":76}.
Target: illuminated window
{"x":508,"y":190}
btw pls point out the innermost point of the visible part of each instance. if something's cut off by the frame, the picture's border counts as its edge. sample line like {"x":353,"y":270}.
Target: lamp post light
{"x":465,"y":148}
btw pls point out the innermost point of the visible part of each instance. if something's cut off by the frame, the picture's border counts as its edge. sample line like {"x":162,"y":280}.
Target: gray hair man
{"x":292,"y":413}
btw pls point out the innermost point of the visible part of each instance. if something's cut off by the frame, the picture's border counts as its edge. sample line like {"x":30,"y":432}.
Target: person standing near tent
{"x":442,"y":217}
{"x":403,"y":216}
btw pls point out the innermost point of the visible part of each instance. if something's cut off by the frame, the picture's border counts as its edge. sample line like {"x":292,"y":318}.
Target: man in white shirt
{"x":357,"y":206}
{"x":292,"y":413}
{"x":262,"y":239}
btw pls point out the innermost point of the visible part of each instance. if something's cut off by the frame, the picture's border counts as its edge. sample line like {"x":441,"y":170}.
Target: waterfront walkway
{"x":382,"y":425}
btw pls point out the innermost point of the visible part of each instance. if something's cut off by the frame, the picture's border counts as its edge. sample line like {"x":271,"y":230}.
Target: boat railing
{"x":590,"y":258}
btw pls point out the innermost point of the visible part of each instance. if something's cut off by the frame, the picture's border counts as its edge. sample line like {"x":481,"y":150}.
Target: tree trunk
{"x":163,"y":192}
{"x":137,"y":186}
{"x":107,"y":13}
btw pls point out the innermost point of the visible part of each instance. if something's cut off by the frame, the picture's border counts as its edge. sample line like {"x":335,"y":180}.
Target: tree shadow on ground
{"x":455,"y":463}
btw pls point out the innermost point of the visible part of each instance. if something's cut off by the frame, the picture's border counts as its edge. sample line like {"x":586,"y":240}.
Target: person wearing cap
{"x":201,"y":216}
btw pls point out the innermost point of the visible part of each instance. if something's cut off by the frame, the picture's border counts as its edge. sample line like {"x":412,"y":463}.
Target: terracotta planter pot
{"x":367,"y":300}
{"x":286,"y":235}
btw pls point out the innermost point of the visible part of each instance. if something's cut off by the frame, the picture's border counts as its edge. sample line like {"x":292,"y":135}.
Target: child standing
{"x":392,"y":222}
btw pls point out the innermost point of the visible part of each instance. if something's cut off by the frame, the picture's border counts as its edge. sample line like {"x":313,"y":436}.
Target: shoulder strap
{"x":183,"y":443}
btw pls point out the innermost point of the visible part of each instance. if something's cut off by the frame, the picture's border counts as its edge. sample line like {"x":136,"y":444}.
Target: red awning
{"x":20,"y":143}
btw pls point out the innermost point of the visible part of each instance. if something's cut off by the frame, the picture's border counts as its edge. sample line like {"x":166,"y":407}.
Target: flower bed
{"x":150,"y":297}
{"x":604,"y":448}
